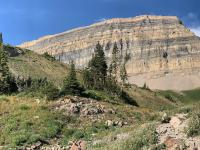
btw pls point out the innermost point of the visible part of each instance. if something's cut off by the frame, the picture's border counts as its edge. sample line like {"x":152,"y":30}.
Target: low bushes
{"x":143,"y":138}
{"x":28,"y":124}
{"x":40,"y":88}
{"x":193,"y":128}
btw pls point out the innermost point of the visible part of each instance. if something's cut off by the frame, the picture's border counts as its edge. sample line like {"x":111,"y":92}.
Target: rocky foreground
{"x":172,"y":134}
{"x":170,"y":130}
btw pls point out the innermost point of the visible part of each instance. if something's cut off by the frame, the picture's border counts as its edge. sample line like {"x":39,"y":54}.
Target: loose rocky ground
{"x":114,"y":124}
{"x":173,"y":135}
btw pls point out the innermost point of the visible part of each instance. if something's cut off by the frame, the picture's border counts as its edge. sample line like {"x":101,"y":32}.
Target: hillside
{"x":25,"y":63}
{"x":102,"y":122}
{"x":162,"y":52}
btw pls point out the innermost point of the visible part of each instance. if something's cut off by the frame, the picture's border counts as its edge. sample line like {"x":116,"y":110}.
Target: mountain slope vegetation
{"x":26,"y":64}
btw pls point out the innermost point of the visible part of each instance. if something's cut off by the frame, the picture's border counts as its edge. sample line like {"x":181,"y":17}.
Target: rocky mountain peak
{"x":164,"y":54}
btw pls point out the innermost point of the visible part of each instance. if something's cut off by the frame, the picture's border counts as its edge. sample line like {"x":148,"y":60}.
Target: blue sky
{"x":25,"y":20}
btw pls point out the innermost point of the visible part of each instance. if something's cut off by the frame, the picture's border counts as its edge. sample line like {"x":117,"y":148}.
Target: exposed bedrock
{"x":163,"y":52}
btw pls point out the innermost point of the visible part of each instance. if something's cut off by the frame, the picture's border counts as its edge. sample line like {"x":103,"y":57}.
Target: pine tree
{"x":4,"y":70}
{"x":98,"y":68}
{"x":123,"y":74}
{"x":71,"y":85}
{"x":113,"y":69}
{"x":88,"y":79}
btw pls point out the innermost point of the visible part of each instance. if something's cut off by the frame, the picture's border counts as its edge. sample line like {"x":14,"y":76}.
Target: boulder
{"x":109,"y":123}
{"x":175,"y":122}
{"x":165,"y":118}
{"x":78,"y":145}
{"x":173,"y":144}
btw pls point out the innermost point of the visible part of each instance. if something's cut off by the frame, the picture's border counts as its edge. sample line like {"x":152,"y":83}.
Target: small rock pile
{"x":78,"y":145}
{"x":171,"y":133}
{"x":81,"y":106}
{"x":110,"y":123}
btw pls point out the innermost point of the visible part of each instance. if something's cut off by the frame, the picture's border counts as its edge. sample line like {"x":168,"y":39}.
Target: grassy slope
{"x":36,"y":66}
{"x":149,"y":99}
{"x":186,"y":97}
{"x":22,"y":120}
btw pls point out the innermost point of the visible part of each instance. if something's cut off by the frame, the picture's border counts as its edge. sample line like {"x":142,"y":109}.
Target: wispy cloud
{"x":193,"y":22}
{"x":196,"y":30}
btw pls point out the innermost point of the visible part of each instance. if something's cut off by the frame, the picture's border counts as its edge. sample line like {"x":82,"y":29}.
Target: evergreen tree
{"x":4,"y":71}
{"x":113,"y":69}
{"x":98,"y":68}
{"x":88,"y":79}
{"x":123,"y":74}
{"x":71,"y":85}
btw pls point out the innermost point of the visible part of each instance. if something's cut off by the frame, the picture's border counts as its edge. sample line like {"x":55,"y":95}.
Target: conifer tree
{"x":71,"y":85}
{"x":123,"y":74}
{"x":88,"y":79}
{"x":113,"y":69}
{"x":4,"y":70}
{"x":98,"y":68}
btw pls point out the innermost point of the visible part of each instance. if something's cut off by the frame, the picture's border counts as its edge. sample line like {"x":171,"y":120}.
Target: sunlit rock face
{"x":164,"y":54}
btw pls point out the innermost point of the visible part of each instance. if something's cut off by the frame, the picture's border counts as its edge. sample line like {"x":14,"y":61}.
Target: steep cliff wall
{"x":163,"y":52}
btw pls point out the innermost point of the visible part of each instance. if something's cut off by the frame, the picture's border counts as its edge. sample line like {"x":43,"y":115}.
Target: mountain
{"x":162,"y":52}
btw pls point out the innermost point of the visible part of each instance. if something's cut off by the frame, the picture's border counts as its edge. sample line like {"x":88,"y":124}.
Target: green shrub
{"x":193,"y":128}
{"x":79,"y":134}
{"x":71,"y":85}
{"x":72,"y":134}
{"x":24,"y":107}
{"x":98,"y":95}
{"x":158,"y":147}
{"x":4,"y":98}
{"x":50,"y":91}
{"x":48,"y":56}
{"x":20,"y":139}
{"x":21,"y":127}
{"x":40,"y":88}
{"x":143,"y":138}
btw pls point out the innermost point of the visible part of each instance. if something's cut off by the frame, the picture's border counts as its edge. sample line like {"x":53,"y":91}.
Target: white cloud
{"x":196,"y":30}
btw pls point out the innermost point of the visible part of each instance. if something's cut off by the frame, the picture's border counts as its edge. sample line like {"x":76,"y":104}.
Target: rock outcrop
{"x":164,"y":54}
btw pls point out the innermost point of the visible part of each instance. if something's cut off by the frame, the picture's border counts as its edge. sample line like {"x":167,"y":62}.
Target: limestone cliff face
{"x":163,"y":52}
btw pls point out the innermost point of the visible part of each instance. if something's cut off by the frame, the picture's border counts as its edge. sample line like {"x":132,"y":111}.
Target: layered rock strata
{"x":164,"y":54}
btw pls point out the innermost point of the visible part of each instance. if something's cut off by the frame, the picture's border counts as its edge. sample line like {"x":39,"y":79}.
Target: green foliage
{"x":193,"y":128}
{"x":4,"y":99}
{"x":123,"y":74}
{"x":21,"y":127}
{"x":24,"y":107}
{"x":191,"y":95}
{"x":88,"y":79}
{"x":95,"y":75}
{"x":113,"y":69}
{"x":145,"y":87}
{"x":188,"y":96}
{"x":143,"y":138}
{"x":114,"y":89}
{"x":181,"y":22}
{"x":98,"y":95}
{"x":158,"y":147}
{"x":48,"y":56}
{"x":7,"y":82}
{"x":40,"y":88}
{"x":71,"y":86}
